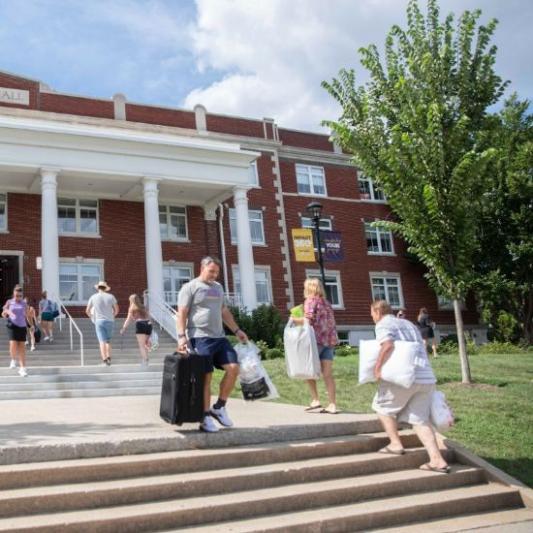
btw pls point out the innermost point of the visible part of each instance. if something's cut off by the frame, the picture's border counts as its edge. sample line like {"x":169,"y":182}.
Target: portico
{"x":95,"y":159}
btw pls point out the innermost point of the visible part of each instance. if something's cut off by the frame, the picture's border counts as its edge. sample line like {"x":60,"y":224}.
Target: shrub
{"x":345,"y":351}
{"x":500,"y":348}
{"x":263,"y":324}
{"x":263,"y":348}
{"x":274,"y":353}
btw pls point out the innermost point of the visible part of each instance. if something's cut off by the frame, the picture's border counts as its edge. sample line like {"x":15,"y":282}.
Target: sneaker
{"x":23,"y":372}
{"x":222,"y":416}
{"x":32,"y":349}
{"x":46,"y":339}
{"x":144,"y":364}
{"x":208,"y":425}
{"x":51,"y":339}
{"x":13,"y":364}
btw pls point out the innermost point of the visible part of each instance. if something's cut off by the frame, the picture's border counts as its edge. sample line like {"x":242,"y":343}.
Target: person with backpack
{"x":47,"y":312}
{"x":15,"y":311}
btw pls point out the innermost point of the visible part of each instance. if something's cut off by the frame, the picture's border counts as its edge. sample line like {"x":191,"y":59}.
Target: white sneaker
{"x":208,"y":425}
{"x":51,"y":339}
{"x":32,"y":349}
{"x":222,"y":416}
{"x":13,"y":364}
{"x":46,"y":339}
{"x":23,"y":372}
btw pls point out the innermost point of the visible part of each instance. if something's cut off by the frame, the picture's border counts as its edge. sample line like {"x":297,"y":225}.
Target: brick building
{"x":136,"y":194}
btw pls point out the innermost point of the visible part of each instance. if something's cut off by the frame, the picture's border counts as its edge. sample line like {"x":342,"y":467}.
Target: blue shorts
{"x":218,"y":352}
{"x":326,"y":353}
{"x":104,"y":330}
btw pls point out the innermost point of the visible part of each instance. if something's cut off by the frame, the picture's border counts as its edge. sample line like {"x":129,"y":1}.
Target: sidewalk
{"x":55,"y":429}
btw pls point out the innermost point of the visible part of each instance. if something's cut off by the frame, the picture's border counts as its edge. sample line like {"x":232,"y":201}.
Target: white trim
{"x":384,"y":275}
{"x":77,"y":218}
{"x":309,"y":272}
{"x":253,"y":168}
{"x":5,"y":229}
{"x":379,"y":233}
{"x":185,"y":239}
{"x":373,"y":186}
{"x":311,"y":225}
{"x":308,"y":169}
{"x":262,"y":268}
{"x":233,"y":237}
{"x":176,"y":264}
{"x":79,"y":261}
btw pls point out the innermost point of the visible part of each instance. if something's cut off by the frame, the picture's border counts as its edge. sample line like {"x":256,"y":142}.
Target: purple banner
{"x":332,"y":245}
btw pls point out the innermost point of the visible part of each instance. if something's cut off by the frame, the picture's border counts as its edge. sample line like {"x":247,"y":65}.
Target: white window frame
{"x":445,"y":304}
{"x":386,"y":275}
{"x":257,"y":268}
{"x":308,"y":169}
{"x":372,"y":186}
{"x":167,"y":237}
{"x":307,"y":222}
{"x":379,"y":234}
{"x":3,"y":229}
{"x":253,"y":175}
{"x":79,"y":262}
{"x":251,"y":212}
{"x":310,"y":273}
{"x":169,"y":295}
{"x":78,"y":208}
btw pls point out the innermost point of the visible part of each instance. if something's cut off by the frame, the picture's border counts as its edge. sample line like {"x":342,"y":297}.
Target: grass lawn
{"x":494,"y":416}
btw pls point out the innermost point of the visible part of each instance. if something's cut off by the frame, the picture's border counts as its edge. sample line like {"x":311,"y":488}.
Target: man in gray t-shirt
{"x":102,"y":308}
{"x":200,"y":319}
{"x":393,"y":402}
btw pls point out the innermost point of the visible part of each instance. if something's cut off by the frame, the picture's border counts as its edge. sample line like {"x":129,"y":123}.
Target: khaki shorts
{"x":410,"y":405}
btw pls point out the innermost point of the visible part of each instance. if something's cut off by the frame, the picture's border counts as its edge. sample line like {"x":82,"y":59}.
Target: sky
{"x":251,"y":58}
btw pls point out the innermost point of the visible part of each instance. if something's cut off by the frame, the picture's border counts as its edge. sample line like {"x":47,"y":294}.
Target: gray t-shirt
{"x":102,"y":303}
{"x":204,"y":301}
{"x":399,"y":329}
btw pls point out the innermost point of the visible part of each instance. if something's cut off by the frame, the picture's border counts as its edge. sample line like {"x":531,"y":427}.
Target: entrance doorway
{"x":9,"y":276}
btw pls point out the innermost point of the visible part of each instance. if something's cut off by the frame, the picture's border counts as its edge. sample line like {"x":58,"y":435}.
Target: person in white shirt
{"x":394,"y":403}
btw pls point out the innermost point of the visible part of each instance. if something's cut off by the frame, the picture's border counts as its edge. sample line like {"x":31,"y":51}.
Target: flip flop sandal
{"x":313,"y":407}
{"x":443,"y":470}
{"x":329,"y":412}
{"x":390,"y":451}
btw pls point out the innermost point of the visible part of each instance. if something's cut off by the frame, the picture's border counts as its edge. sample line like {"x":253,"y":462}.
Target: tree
{"x":505,"y":277}
{"x":415,"y":127}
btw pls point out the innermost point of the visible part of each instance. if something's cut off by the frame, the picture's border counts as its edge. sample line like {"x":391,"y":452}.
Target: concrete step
{"x":119,"y":382}
{"x":335,"y":505}
{"x":36,"y":377}
{"x":369,"y":515}
{"x":325,"y":477}
{"x":81,"y":393}
{"x":190,"y":461}
{"x":115,"y":368}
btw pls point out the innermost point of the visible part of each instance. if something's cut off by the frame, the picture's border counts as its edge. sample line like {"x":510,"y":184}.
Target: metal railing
{"x":63,"y":312}
{"x":162,"y":313}
{"x":233,"y":299}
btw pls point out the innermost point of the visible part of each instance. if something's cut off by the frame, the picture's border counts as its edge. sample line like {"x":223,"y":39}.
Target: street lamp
{"x":315,"y":210}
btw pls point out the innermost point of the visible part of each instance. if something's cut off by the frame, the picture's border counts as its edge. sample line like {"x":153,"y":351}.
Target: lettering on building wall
{"x":14,"y":96}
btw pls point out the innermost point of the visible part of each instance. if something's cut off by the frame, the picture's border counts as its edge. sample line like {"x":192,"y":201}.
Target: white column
{"x":49,"y":233}
{"x":244,"y":248}
{"x":154,"y":254}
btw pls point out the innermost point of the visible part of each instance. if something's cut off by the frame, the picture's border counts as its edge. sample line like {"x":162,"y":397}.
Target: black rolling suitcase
{"x":182,"y":391}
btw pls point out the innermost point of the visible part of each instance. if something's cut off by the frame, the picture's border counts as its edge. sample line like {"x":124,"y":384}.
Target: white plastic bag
{"x":154,"y":341}
{"x":301,"y":351}
{"x":441,"y":414}
{"x":399,"y":367}
{"x":255,"y":382}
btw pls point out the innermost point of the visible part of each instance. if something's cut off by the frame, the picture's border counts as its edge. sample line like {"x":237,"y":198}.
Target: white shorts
{"x":410,"y":405}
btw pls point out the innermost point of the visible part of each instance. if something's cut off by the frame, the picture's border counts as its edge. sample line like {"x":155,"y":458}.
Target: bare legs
{"x":105,"y":350}
{"x":327,"y":373}
{"x":433,"y":345}
{"x":17,"y":350}
{"x":207,"y":391}
{"x":231,"y":372}
{"x":143,"y":342}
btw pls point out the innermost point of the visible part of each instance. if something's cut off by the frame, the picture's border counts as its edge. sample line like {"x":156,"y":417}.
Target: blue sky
{"x":245,"y":57}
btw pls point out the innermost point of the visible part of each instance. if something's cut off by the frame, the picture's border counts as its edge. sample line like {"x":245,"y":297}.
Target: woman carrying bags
{"x":320,"y":315}
{"x":16,"y":312}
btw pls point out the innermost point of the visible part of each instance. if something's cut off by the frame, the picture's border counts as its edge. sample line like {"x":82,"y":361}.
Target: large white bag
{"x":255,"y":382}
{"x":441,"y":414}
{"x":399,"y":368}
{"x":301,"y":351}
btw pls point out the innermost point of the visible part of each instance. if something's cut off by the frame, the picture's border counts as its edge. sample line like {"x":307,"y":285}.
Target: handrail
{"x":71,"y":323}
{"x":162,"y":313}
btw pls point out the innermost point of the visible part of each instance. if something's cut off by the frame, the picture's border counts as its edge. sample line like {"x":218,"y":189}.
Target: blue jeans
{"x":326,"y":353}
{"x":104,"y":330}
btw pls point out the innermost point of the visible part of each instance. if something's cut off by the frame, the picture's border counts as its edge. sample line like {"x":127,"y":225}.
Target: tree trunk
{"x":465,"y":365}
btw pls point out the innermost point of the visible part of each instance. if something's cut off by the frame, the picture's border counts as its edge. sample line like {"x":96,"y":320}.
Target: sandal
{"x":313,"y":407}
{"x":442,"y":470}
{"x":329,"y":412}
{"x":390,"y":451}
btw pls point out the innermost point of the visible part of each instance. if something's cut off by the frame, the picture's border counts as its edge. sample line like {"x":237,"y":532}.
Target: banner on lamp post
{"x":332,"y":245}
{"x":304,"y":249}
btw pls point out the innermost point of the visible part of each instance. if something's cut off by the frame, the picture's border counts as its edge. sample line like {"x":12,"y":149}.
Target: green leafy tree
{"x":505,"y":281}
{"x":415,"y":128}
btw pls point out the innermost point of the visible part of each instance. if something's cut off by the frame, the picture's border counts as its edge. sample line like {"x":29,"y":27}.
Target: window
{"x":378,"y":241}
{"x":77,"y":281}
{"x":263,"y":285}
{"x":324,"y":224}
{"x":310,"y":180}
{"x":368,"y":190}
{"x":344,"y":338}
{"x":253,"y":176}
{"x":445,"y":304}
{"x":3,"y":212}
{"x":173,"y":223}
{"x":387,"y":287}
{"x":77,"y":217}
{"x":333,"y":286}
{"x":174,"y":276}
{"x":256,"y":226}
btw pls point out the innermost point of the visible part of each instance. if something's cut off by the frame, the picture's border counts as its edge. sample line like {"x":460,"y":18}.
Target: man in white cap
{"x":103,"y":305}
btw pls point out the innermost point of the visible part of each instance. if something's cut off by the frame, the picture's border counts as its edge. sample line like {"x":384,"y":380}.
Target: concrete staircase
{"x":320,"y":485}
{"x":55,"y":371}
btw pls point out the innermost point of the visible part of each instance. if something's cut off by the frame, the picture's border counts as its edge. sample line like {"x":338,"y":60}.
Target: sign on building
{"x":332,"y":245}
{"x":14,"y":96}
{"x":302,"y":239}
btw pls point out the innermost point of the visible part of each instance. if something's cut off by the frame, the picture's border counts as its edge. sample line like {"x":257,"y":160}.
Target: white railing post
{"x":72,"y":324}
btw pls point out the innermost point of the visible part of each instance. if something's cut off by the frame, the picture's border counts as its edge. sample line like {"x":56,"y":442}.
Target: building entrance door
{"x":9,"y":276}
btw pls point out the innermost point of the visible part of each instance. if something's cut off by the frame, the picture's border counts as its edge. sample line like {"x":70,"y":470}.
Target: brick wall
{"x":73,"y":105}
{"x":235,"y":126}
{"x":161,"y":116}
{"x":302,"y":139}
{"x":15,"y":82}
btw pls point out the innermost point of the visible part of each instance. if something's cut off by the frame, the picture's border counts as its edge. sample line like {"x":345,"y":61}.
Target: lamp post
{"x":315,"y":210}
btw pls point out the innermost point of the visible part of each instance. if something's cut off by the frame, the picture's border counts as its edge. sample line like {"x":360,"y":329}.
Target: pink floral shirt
{"x":323,"y":321}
